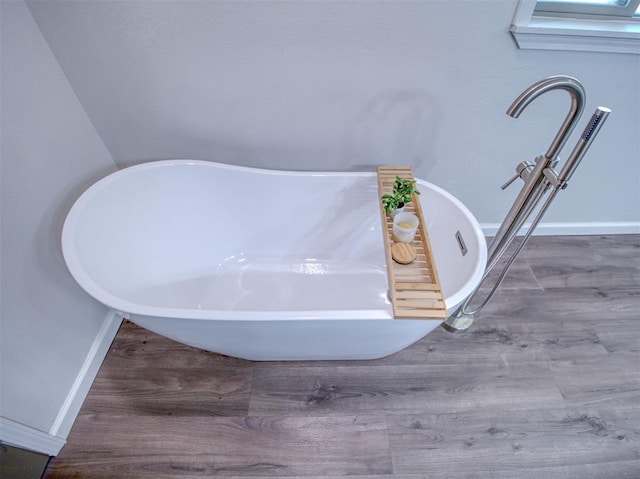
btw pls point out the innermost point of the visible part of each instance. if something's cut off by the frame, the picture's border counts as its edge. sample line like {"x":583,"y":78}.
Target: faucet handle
{"x":509,"y":181}
{"x":522,"y":171}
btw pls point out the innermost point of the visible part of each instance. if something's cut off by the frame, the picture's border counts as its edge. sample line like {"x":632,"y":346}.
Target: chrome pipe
{"x":520,"y":210}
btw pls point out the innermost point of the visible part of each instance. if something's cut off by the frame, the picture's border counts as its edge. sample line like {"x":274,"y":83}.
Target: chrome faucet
{"x":538,"y":178}
{"x":533,"y":174}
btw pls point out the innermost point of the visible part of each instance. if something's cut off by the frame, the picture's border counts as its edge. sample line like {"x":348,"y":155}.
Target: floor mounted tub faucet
{"x":538,"y":178}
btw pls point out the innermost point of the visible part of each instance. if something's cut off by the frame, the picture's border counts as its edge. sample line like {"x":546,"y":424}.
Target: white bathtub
{"x":258,"y":264}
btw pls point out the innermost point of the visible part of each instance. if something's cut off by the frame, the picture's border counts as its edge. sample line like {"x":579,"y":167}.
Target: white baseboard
{"x":26,"y":437}
{"x":567,"y":229}
{"x":80,"y":388}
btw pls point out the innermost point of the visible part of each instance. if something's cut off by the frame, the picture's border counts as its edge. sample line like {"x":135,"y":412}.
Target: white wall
{"x":52,"y":333}
{"x":343,"y":85}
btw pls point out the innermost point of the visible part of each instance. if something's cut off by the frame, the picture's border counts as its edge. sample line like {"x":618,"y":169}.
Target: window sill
{"x":553,"y":33}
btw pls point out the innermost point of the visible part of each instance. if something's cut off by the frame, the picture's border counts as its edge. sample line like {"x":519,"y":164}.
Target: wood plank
{"x":416,"y":286}
{"x":406,"y":303}
{"x":594,"y":382}
{"x":189,"y":391}
{"x":199,"y":383}
{"x":621,"y":336}
{"x":613,"y":469}
{"x":244,"y":446}
{"x":361,"y":389}
{"x":422,"y":313}
{"x":497,"y":441}
{"x":418,"y":294}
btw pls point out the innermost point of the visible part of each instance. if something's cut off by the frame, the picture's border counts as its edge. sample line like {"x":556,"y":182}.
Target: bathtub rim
{"x":123,"y":306}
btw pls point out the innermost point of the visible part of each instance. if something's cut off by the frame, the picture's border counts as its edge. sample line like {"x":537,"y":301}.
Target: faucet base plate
{"x":458,"y":323}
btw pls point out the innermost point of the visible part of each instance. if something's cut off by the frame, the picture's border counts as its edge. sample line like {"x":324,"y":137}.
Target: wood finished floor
{"x":546,"y":384}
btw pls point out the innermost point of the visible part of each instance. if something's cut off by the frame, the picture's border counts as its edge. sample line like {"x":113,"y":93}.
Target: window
{"x":578,"y":25}
{"x":615,"y":9}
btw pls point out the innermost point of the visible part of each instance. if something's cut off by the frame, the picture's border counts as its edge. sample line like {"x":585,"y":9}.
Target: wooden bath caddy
{"x":414,"y":287}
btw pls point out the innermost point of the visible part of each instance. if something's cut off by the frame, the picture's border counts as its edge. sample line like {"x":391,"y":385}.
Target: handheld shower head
{"x":588,"y":135}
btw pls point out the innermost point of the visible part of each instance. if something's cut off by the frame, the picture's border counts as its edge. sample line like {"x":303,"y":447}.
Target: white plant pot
{"x":399,"y":210}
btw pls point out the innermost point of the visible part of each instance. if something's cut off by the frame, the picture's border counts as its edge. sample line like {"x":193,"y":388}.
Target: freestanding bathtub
{"x":258,"y":264}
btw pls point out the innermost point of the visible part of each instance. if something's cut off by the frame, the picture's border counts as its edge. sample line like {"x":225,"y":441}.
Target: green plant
{"x":403,"y":190}
{"x":391,"y":203}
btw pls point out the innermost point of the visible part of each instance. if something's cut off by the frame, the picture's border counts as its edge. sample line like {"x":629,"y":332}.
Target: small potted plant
{"x":403,"y":190}
{"x":392,"y":204}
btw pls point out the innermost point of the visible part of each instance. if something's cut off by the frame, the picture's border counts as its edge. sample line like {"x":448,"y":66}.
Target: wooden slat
{"x":419,"y":313}
{"x":418,"y":294}
{"x":405,"y":304}
{"x":414,"y":288}
{"x":400,"y":285}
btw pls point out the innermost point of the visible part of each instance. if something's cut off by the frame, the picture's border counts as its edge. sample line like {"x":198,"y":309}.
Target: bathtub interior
{"x":208,"y":239}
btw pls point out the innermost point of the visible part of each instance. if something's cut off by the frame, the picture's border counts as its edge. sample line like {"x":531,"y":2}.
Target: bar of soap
{"x":403,"y":253}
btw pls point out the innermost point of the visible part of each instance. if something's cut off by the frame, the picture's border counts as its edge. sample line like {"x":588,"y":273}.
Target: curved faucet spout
{"x":560,"y":82}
